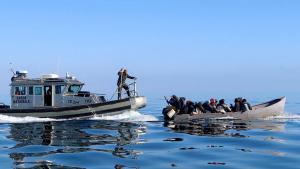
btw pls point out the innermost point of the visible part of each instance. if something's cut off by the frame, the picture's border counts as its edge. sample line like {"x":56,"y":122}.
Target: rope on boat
{"x":113,"y":95}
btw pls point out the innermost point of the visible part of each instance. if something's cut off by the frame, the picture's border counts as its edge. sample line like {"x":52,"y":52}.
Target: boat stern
{"x":138,"y":102}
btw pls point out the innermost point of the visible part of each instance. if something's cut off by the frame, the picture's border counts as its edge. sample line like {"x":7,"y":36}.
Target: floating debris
{"x":190,"y":148}
{"x":174,"y":139}
{"x":216,"y":163}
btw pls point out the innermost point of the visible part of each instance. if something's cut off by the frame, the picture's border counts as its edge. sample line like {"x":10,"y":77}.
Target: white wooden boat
{"x":271,"y":108}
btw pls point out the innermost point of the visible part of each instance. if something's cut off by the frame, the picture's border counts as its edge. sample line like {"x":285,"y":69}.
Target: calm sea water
{"x":142,"y":140}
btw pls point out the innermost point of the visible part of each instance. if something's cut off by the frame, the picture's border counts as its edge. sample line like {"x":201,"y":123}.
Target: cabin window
{"x":30,"y":90}
{"x":59,"y":89}
{"x":20,"y":90}
{"x":38,"y":90}
{"x":74,"y":88}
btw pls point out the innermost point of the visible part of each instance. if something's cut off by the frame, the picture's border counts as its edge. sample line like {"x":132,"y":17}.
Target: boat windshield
{"x":74,"y":88}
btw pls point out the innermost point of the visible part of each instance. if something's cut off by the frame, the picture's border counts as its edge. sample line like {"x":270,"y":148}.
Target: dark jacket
{"x":237,"y":104}
{"x":200,"y":107}
{"x":224,"y":106}
{"x":182,"y":105}
{"x":210,"y":108}
{"x":190,"y":107}
{"x":246,"y":107}
{"x":237,"y":107}
{"x":122,"y":78}
{"x":174,"y":101}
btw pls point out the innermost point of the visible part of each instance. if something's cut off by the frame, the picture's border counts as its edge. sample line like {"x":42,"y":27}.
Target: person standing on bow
{"x":123,"y":75}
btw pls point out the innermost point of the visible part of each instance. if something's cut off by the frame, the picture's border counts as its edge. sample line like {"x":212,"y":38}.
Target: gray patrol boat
{"x":53,"y":97}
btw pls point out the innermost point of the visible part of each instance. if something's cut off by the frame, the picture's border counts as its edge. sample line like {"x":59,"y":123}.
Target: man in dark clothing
{"x":123,"y":75}
{"x":213,"y":105}
{"x":174,"y":101}
{"x":245,"y":106}
{"x":210,"y":106}
{"x":199,"y":108}
{"x":223,"y":107}
{"x":189,"y":108}
{"x":182,"y":105}
{"x":237,"y":105}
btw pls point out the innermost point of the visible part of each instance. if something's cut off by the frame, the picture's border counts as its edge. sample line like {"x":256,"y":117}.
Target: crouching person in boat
{"x":193,"y":108}
{"x":189,"y":108}
{"x":123,"y":75}
{"x":245,"y":106}
{"x":237,"y":105}
{"x":172,"y":108}
{"x":241,"y":105}
{"x":178,"y":106}
{"x":199,"y":109}
{"x":211,"y":106}
{"x":174,"y":102}
{"x":222,"y":107}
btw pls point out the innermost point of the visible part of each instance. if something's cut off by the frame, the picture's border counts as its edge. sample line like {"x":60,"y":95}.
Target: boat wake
{"x":10,"y":119}
{"x":128,"y":116}
{"x":285,"y":116}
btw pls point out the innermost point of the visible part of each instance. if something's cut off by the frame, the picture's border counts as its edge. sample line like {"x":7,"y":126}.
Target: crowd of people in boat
{"x":182,"y":106}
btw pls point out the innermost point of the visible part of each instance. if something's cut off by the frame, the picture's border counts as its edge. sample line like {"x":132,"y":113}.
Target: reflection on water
{"x":233,"y":136}
{"x":206,"y":144}
{"x":213,"y":127}
{"x":44,"y":165}
{"x":72,"y":137}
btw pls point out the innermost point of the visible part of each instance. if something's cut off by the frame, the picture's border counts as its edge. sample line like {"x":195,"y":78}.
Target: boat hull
{"x":100,"y":109}
{"x":264,"y":110}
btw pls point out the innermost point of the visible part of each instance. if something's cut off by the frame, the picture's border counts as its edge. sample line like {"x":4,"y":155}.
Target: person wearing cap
{"x":123,"y":75}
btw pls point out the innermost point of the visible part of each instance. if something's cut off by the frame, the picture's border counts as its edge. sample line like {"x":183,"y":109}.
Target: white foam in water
{"x":10,"y":119}
{"x":127,"y":116}
{"x":225,"y":118}
{"x":285,"y":116}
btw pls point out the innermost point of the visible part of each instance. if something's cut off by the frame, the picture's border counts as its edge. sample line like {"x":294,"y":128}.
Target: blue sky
{"x":193,"y":48}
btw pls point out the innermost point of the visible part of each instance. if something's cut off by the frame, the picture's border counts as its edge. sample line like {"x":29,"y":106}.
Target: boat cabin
{"x":49,"y":91}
